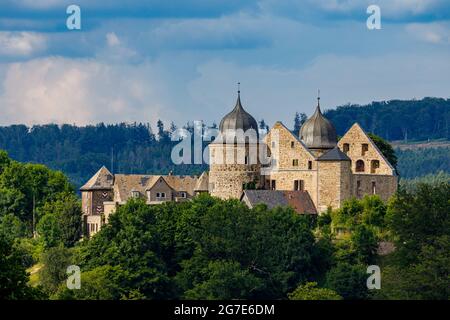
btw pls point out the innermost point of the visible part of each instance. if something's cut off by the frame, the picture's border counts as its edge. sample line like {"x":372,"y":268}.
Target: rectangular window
{"x":273,"y":144}
{"x":163,"y":194}
{"x":292,"y":144}
{"x":374,"y":187}
{"x":273,"y":184}
{"x":346,"y":148}
{"x":299,"y":185}
{"x":183,"y":194}
{"x":364,"y":148}
{"x":246,"y":159}
{"x":309,"y":165}
{"x":158,"y":195}
{"x":295,"y":162}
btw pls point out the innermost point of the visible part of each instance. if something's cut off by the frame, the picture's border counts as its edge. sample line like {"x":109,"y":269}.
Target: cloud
{"x":434,"y":33}
{"x":276,"y":94}
{"x":21,"y":44}
{"x":81,"y":91}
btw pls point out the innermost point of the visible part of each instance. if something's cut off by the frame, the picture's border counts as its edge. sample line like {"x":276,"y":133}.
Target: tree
{"x":385,"y":148}
{"x":13,"y":277}
{"x":55,"y":262}
{"x":61,"y":221}
{"x":100,"y":283}
{"x":349,"y":281}
{"x":299,"y":120}
{"x":364,"y":243}
{"x":310,"y":291}
{"x":263,"y":126}
{"x":224,"y":280}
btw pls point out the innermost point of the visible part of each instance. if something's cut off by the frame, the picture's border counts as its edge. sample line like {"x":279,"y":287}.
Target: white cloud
{"x":81,"y":91}
{"x":22,"y":44}
{"x":435,"y":33}
{"x":112,"y":39}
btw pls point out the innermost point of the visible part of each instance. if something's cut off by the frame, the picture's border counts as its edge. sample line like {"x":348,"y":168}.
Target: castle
{"x":309,"y":172}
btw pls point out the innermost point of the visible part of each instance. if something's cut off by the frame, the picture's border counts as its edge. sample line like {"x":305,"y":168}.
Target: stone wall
{"x":355,"y":138}
{"x":334,"y":184}
{"x":228,"y":171}
{"x":385,"y":186}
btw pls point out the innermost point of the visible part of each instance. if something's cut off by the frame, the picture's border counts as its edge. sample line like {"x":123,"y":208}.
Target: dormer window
{"x":183,"y":194}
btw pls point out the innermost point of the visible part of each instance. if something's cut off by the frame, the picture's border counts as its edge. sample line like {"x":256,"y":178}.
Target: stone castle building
{"x":310,"y":171}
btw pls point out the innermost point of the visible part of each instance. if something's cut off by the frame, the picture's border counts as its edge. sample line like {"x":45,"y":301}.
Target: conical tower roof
{"x":318,"y":132}
{"x":238,"y":119}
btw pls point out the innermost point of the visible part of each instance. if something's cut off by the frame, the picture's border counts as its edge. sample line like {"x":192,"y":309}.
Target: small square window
{"x":183,"y":194}
{"x":295,"y":162}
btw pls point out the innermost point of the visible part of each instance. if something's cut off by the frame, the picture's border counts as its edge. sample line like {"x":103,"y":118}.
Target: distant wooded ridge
{"x":79,"y":151}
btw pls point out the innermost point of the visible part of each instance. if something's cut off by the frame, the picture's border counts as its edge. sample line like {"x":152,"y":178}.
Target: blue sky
{"x":181,"y":59}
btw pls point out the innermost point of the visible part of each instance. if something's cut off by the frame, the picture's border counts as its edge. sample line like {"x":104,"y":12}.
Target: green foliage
{"x":416,"y":219}
{"x":410,"y":185}
{"x":13,"y":276}
{"x":421,"y":162}
{"x":310,"y":291}
{"x":61,"y":221}
{"x":396,"y":119}
{"x":101,"y":283}
{"x":349,"y":281}
{"x":385,"y":148}
{"x":223,"y":279}
{"x":205,"y":249}
{"x":55,"y":261}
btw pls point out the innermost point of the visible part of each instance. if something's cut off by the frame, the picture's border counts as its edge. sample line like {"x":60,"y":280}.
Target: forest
{"x":135,"y":148}
{"x":209,"y":248}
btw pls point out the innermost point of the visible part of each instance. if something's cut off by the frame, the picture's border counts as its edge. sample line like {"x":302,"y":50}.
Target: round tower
{"x":233,"y":155}
{"x":318,"y":133}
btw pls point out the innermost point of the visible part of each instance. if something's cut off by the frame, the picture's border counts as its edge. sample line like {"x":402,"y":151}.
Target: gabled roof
{"x":202,"y":182}
{"x":295,"y":137}
{"x":102,"y":180}
{"x":358,"y":126}
{"x":125,"y":183}
{"x":300,"y":201}
{"x":334,"y":155}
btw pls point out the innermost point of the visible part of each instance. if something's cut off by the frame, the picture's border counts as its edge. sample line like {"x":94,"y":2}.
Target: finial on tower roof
{"x":239,"y":87}
{"x":318,"y":97}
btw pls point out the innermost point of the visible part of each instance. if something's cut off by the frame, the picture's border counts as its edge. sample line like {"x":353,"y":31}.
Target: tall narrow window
{"x":309,"y":165}
{"x":292,"y":144}
{"x":299,"y":185}
{"x":374,"y":165}
{"x":374,"y":187}
{"x":346,"y":148}
{"x":273,"y":184}
{"x":364,"y":148}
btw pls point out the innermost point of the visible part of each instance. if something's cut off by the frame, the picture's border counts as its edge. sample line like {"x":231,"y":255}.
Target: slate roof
{"x":300,"y":201}
{"x":318,"y":132}
{"x":125,"y":183}
{"x":238,"y":118}
{"x":101,"y":180}
{"x":334,"y":155}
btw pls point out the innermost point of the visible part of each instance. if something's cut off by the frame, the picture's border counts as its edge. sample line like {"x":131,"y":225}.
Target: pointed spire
{"x":238,"y":102}
{"x":318,"y":111}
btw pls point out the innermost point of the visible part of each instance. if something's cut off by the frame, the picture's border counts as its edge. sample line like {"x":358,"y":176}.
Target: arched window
{"x":359,"y":166}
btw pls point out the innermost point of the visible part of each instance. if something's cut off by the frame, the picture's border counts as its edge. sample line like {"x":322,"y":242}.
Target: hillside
{"x":133,"y":148}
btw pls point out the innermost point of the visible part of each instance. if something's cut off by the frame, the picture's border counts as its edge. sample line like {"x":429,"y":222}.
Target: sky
{"x":180,"y":60}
